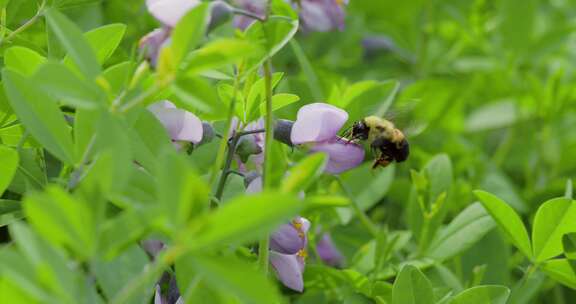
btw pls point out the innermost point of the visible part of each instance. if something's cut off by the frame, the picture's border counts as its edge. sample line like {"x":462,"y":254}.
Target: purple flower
{"x":153,"y":42}
{"x":180,"y":124}
{"x":169,"y":12}
{"x":317,"y":127}
{"x":322,"y":15}
{"x":288,"y":253}
{"x":328,"y":251}
{"x":287,"y":247}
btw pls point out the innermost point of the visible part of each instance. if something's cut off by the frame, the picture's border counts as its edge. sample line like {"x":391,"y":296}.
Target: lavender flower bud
{"x":220,"y":13}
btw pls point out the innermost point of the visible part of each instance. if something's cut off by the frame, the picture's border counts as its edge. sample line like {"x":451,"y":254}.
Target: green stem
{"x":364,"y":219}
{"x":224,"y":140}
{"x":266,"y":180}
{"x":140,"y":98}
{"x":229,"y":158}
{"x":26,"y":25}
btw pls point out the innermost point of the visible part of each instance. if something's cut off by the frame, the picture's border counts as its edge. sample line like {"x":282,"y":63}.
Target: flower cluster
{"x":315,"y":16}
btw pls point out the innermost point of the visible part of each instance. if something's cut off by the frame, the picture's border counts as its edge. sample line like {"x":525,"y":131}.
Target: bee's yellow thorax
{"x":379,"y":127}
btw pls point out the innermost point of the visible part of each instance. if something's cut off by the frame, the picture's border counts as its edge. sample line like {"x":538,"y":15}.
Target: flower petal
{"x":180,"y":124}
{"x":255,"y":186}
{"x":288,"y":269}
{"x":317,"y":122}
{"x":322,"y":15}
{"x":169,"y":12}
{"x":287,"y":239}
{"x":328,"y":251}
{"x":342,"y":155}
{"x":153,"y":42}
{"x":191,"y":130}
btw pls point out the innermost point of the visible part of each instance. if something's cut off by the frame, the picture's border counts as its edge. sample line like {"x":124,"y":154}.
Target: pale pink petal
{"x":169,"y":12}
{"x":342,"y":155}
{"x":180,"y":124}
{"x":191,"y":130}
{"x":317,"y":122}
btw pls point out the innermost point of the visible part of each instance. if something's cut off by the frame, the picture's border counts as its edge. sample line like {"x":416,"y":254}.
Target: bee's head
{"x":360,"y":130}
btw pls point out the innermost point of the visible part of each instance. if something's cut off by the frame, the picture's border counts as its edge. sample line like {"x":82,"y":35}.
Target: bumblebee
{"x":383,"y":137}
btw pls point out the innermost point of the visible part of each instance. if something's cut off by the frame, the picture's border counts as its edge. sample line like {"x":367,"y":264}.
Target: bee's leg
{"x":382,"y":161}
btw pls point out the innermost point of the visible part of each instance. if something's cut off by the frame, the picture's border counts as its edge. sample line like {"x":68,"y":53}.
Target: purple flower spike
{"x":342,"y":155}
{"x":289,"y":268}
{"x":328,"y":251}
{"x":169,"y":12}
{"x":322,"y":15}
{"x":181,"y":125}
{"x":317,"y":122}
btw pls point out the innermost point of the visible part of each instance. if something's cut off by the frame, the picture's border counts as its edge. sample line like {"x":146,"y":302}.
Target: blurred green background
{"x":488,"y":83}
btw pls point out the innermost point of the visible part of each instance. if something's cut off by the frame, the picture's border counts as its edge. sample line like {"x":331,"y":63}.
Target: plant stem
{"x":230,"y":156}
{"x":266,"y":180}
{"x":364,"y":219}
{"x":26,"y":25}
{"x":224,"y":142}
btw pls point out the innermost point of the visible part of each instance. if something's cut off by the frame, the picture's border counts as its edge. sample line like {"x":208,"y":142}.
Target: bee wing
{"x":401,"y":116}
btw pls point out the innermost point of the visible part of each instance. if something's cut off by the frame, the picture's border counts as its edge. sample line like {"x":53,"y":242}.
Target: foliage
{"x":90,"y":176}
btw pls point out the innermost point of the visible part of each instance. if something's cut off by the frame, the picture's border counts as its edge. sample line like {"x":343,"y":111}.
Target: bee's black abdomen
{"x":397,"y":152}
{"x":401,"y":153}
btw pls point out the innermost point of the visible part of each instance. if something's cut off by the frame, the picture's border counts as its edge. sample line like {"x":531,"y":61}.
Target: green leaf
{"x":113,"y":275}
{"x":488,"y":294}
{"x":23,"y":60}
{"x":73,"y":41}
{"x":217,"y":54}
{"x":189,"y":32}
{"x":245,"y":219}
{"x":304,"y":173}
{"x":181,"y":191}
{"x":553,"y":219}
{"x":569,"y":244}
{"x":62,"y":220}
{"x":466,"y":229}
{"x":196,"y":94}
{"x":9,"y":160}
{"x":560,"y":270}
{"x":369,"y":187}
{"x":492,"y":116}
{"x":508,"y":220}
{"x":279,"y":101}
{"x":412,"y":287}
{"x":271,"y":36}
{"x":40,"y":114}
{"x":230,"y":275}
{"x":326,"y":201}
{"x":149,"y":139}
{"x":104,"y":40}
{"x":58,"y":81}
